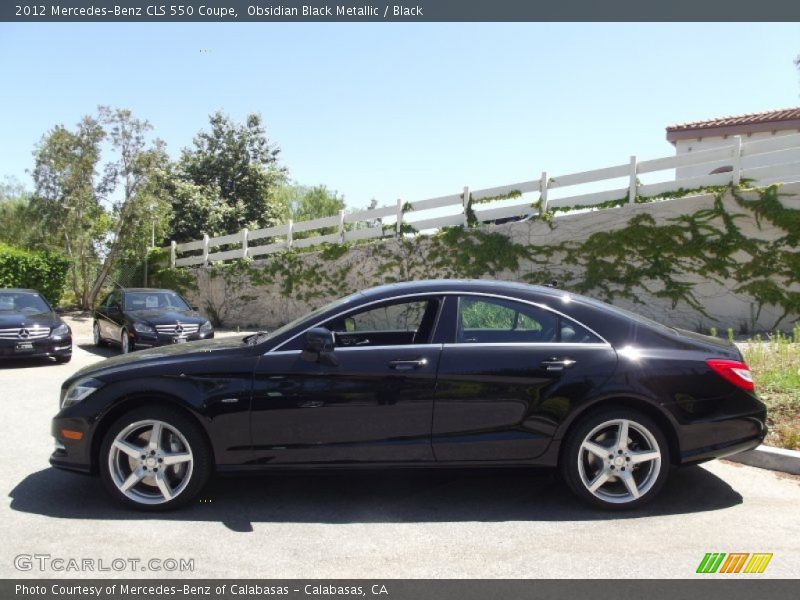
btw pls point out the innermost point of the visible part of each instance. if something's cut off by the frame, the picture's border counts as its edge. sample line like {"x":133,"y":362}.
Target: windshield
{"x":154,"y":300}
{"x":23,"y":302}
{"x":307,"y":317}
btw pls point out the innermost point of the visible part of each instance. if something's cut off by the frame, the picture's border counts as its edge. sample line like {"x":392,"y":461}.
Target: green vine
{"x":644,"y":258}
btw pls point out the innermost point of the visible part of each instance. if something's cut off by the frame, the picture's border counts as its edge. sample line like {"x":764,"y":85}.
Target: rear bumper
{"x":724,"y":438}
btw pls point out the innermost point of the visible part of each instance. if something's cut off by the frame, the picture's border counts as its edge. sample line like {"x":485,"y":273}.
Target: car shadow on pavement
{"x":104,"y":351}
{"x":338,"y":497}
{"x":28,"y":363}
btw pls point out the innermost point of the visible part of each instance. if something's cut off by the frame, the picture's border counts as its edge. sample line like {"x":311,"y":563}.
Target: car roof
{"x":147,"y":290}
{"x":20,"y":290}
{"x":460,"y":285}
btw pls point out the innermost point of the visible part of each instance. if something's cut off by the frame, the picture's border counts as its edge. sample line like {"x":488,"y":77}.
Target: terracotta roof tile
{"x":770,"y":116}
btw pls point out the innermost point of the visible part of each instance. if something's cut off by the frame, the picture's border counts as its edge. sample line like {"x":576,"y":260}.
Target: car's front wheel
{"x":98,"y":339}
{"x":155,"y":458}
{"x":125,"y":342}
{"x":616,"y":459}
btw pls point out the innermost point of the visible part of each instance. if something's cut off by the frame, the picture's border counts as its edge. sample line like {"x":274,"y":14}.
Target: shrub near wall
{"x":45,"y":272}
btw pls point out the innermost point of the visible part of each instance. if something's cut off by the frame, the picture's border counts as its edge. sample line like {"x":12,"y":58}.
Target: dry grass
{"x":775,"y":364}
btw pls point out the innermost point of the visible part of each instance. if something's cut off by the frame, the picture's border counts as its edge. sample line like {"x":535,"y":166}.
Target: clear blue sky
{"x":400,"y":110}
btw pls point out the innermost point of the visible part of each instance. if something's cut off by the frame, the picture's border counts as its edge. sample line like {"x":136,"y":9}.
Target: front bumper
{"x":44,"y":347}
{"x":71,"y":453}
{"x":149,"y":340}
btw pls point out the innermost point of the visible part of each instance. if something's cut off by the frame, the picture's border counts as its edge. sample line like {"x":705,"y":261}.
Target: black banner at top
{"x":397,"y":10}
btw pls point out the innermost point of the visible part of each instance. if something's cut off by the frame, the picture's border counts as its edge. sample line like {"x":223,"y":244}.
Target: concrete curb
{"x":767,"y":457}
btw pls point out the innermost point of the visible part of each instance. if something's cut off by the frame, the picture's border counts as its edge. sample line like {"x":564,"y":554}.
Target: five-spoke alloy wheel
{"x":616,"y":459}
{"x":155,"y":458}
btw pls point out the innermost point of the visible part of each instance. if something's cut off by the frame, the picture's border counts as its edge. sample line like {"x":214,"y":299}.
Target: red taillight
{"x":738,"y":373}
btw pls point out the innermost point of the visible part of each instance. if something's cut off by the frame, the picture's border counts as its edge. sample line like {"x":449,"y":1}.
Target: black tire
{"x":580,"y":467}
{"x":125,"y":345}
{"x":61,"y":360}
{"x":98,"y":339}
{"x":197,"y":474}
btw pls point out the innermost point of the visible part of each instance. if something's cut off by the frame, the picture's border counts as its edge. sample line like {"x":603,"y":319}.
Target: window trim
{"x":603,"y":342}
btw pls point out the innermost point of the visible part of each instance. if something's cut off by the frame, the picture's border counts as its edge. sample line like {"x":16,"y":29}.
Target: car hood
{"x":167,"y":317}
{"x":171,"y":353}
{"x":9,"y":320}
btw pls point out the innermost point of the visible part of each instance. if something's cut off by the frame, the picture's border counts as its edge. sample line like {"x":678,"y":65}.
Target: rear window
{"x":639,"y":319}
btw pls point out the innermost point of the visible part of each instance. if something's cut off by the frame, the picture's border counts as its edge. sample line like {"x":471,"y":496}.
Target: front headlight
{"x":206,"y":327}
{"x":80,"y":390}
{"x":62,"y":329}
{"x":144,"y":328}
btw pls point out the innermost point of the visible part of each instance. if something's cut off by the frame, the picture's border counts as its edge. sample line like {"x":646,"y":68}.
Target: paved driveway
{"x":377,"y":525}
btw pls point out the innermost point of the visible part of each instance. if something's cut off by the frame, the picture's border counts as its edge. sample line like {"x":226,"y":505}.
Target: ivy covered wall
{"x":722,"y":258}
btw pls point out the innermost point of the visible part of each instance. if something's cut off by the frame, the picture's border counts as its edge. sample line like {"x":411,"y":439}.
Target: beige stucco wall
{"x":240,"y":303}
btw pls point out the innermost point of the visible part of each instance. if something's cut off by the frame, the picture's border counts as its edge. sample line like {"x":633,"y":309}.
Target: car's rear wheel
{"x":616,"y":459}
{"x":125,"y":342}
{"x":155,"y":458}
{"x":98,"y":339}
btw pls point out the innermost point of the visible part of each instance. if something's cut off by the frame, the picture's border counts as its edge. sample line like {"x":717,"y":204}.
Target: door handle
{"x":557,"y":364}
{"x":407,"y":365}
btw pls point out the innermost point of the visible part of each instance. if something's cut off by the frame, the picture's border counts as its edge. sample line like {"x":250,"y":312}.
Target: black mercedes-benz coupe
{"x":420,"y":374}
{"x":30,"y":327}
{"x":134,"y":318}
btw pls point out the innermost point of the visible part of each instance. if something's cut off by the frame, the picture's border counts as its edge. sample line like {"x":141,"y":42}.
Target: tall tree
{"x":230,"y":177}
{"x":99,"y":211}
{"x":68,"y":197}
{"x":138,"y":170}
{"x":19,"y":224}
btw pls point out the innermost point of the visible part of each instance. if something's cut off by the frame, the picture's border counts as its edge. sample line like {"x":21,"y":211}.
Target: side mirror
{"x":195,"y":308}
{"x":318,"y":346}
{"x":59,"y":310}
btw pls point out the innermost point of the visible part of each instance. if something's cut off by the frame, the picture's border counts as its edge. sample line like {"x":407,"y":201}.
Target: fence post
{"x":399,"y":224}
{"x":737,"y":160}
{"x":341,"y":226}
{"x":244,"y":242}
{"x":289,"y":239}
{"x":632,"y":185}
{"x":543,"y":193}
{"x":205,"y":249}
{"x":465,"y":206}
{"x":173,"y":250}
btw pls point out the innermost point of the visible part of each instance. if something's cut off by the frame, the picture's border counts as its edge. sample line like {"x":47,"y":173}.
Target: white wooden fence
{"x":771,"y":160}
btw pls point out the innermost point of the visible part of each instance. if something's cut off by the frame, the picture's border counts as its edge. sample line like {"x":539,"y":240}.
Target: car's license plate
{"x":24,"y":347}
{"x":179,"y":340}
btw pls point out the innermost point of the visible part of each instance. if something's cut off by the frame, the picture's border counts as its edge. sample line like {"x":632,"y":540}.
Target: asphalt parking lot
{"x":507,"y":523}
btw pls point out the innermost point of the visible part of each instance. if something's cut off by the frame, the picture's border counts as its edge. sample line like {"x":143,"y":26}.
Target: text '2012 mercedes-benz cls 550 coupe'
{"x":418,"y":374}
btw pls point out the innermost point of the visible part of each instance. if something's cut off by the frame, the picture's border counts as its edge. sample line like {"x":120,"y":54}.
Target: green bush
{"x":45,"y":272}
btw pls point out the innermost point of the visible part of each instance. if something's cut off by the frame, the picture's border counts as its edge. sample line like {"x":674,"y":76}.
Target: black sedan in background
{"x":30,"y":327}
{"x":134,"y":318}
{"x":422,"y":374}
